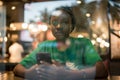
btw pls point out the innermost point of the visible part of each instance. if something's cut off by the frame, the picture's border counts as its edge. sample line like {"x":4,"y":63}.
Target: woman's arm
{"x":54,"y":72}
{"x":21,"y":71}
{"x":98,"y":71}
{"x":50,"y":72}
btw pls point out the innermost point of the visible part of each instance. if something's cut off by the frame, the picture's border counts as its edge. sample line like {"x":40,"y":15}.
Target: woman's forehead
{"x":60,"y":14}
{"x":57,"y":13}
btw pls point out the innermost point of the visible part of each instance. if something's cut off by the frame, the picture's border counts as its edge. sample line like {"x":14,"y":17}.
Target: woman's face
{"x":61,"y":25}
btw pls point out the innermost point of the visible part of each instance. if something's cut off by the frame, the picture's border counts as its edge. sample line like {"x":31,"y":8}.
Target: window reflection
{"x":90,"y":17}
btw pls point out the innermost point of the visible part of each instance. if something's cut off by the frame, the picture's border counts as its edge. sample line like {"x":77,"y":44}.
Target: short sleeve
{"x":91,"y":55}
{"x":30,"y":59}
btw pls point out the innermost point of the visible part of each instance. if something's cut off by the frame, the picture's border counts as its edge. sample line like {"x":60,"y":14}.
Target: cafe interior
{"x":28,"y":20}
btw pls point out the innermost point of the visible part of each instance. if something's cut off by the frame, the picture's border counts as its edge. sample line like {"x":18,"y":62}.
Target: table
{"x":9,"y":75}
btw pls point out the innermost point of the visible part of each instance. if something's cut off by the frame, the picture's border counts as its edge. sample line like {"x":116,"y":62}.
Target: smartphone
{"x":43,"y":56}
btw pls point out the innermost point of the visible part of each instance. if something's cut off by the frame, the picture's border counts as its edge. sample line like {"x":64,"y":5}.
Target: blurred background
{"x":27,"y":21}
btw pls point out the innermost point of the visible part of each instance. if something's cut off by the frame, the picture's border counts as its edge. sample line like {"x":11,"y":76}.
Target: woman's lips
{"x":60,"y":34}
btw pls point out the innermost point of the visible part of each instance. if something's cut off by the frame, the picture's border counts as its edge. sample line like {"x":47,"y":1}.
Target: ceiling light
{"x":13,"y":7}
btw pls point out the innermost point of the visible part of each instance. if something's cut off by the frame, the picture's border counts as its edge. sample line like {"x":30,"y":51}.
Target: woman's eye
{"x":63,"y":24}
{"x":55,"y":23}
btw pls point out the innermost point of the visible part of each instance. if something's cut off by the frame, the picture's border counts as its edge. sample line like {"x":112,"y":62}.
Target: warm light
{"x":1,"y":3}
{"x":5,"y":39}
{"x":104,"y":36}
{"x":119,"y":32}
{"x":13,"y":7}
{"x":88,"y":15}
{"x":11,"y":25}
{"x":93,"y":42}
{"x":93,"y":22}
{"x":80,"y":36}
{"x":101,"y":45}
{"x":1,"y":39}
{"x":14,"y":28}
{"x":79,"y":2}
{"x":94,"y":35}
{"x":99,"y":40}
{"x":107,"y":44}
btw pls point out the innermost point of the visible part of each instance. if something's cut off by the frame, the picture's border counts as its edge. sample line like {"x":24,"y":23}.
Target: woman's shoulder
{"x":80,"y":38}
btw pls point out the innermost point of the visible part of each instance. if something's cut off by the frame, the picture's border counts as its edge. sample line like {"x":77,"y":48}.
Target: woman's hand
{"x":31,"y":74}
{"x":51,"y":72}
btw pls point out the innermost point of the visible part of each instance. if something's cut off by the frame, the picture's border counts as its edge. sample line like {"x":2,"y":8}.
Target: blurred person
{"x":15,"y":51}
{"x":72,"y":58}
{"x":40,"y":37}
{"x":49,"y":35}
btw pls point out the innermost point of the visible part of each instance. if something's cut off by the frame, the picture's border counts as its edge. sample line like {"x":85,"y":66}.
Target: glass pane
{"x":3,"y":38}
{"x":114,"y":24}
{"x":90,"y":15}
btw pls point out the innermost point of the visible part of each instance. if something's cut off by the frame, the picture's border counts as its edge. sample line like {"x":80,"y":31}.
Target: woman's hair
{"x":70,"y":12}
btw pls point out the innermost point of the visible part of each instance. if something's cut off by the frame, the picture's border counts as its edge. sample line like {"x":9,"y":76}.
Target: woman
{"x":72,"y":58}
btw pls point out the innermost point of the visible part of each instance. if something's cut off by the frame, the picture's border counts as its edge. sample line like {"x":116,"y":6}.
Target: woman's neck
{"x":63,"y":45}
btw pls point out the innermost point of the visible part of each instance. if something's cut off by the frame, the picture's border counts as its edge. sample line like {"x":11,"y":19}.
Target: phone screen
{"x":42,"y":56}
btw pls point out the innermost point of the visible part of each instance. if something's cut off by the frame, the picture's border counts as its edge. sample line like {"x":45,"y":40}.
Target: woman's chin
{"x":60,"y":38}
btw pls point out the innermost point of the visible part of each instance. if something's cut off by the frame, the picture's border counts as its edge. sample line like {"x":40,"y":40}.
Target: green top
{"x":79,"y":54}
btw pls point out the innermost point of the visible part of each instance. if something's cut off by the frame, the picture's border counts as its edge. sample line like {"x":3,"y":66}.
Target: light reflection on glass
{"x":6,"y":76}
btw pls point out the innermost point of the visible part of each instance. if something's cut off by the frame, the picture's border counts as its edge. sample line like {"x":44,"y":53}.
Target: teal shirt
{"x":79,"y":54}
